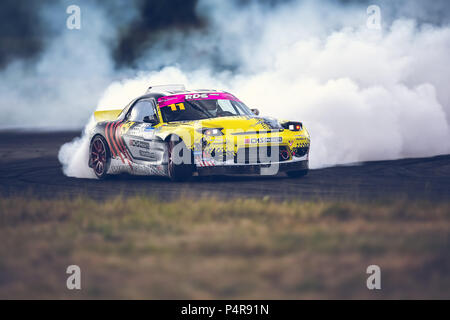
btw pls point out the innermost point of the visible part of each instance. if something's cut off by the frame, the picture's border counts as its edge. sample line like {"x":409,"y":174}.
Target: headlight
{"x":212,"y":132}
{"x":293,"y":126}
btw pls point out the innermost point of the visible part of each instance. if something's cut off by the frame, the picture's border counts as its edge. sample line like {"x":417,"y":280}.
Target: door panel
{"x":139,"y":136}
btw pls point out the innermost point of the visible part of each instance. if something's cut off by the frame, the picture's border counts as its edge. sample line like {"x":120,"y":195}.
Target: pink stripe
{"x":165,"y":101}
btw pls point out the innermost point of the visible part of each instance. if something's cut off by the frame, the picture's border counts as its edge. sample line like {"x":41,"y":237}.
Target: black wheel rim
{"x":98,"y":156}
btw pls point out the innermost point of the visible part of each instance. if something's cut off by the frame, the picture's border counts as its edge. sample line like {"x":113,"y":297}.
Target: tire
{"x":297,"y":174}
{"x":179,"y":172}
{"x":99,"y":157}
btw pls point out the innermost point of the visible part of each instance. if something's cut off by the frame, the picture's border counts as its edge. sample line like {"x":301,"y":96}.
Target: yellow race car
{"x":173,"y":132}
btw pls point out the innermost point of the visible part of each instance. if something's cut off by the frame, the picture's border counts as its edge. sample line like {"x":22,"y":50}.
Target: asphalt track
{"x":29,"y":165}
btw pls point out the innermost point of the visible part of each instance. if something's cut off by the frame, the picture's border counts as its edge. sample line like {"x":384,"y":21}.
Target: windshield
{"x":201,"y":106}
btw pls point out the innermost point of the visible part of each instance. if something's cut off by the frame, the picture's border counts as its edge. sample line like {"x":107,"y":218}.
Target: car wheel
{"x":99,"y":157}
{"x":297,"y":174}
{"x":179,"y":171}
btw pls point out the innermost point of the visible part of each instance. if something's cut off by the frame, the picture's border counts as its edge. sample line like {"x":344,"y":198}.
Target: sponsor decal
{"x":180,"y":98}
{"x":139,"y":144}
{"x":264,"y":140}
{"x":196,"y":96}
{"x":147,"y":154}
{"x":148,"y":133}
{"x":136,"y":130}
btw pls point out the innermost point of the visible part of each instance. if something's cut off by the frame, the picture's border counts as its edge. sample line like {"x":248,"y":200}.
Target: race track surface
{"x":29,"y":165}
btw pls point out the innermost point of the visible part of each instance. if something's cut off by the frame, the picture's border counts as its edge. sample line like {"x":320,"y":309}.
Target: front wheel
{"x":179,"y":168}
{"x":297,"y":174}
{"x":99,"y":157}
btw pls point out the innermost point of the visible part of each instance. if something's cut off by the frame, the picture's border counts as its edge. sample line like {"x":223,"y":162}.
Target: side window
{"x":227,"y":106}
{"x":140,"y":110}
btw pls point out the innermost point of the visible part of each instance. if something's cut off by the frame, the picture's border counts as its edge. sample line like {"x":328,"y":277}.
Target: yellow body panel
{"x":237,"y":132}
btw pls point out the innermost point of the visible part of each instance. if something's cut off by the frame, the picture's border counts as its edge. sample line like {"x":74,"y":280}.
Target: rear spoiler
{"x":107,"y":115}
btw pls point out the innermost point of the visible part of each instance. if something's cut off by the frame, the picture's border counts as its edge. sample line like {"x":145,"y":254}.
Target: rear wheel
{"x":178,"y":169}
{"x":99,"y":157}
{"x":297,"y":174}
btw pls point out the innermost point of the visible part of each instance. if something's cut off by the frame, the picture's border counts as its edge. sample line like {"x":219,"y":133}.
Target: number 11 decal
{"x":173,"y":106}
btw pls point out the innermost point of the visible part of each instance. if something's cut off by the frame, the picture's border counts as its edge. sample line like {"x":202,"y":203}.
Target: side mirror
{"x":255,"y":111}
{"x":151,"y":120}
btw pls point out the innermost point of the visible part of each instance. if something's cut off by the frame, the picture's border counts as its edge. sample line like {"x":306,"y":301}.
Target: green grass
{"x":141,"y":247}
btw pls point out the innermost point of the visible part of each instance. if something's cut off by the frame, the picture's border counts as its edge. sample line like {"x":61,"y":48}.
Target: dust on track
{"x":29,"y":165}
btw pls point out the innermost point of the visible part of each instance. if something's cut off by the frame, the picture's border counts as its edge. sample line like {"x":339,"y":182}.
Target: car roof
{"x":157,"y":92}
{"x":173,"y":89}
{"x":157,"y":95}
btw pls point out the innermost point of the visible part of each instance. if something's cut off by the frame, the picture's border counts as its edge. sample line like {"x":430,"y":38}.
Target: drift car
{"x":172,"y":132}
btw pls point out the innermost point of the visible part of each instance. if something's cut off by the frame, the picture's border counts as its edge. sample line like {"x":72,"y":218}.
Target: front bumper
{"x":255,"y":169}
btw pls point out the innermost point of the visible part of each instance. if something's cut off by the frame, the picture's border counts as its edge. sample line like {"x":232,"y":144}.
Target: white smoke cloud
{"x":62,"y":87}
{"x":74,"y":155}
{"x":362,"y":94}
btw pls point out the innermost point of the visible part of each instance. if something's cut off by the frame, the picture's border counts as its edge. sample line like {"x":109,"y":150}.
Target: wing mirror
{"x":150,"y":120}
{"x":255,"y":111}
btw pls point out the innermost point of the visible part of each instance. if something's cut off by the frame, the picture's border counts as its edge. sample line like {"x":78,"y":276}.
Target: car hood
{"x":240,"y":123}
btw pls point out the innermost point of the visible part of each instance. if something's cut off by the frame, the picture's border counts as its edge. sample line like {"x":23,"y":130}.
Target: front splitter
{"x":254,"y":169}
